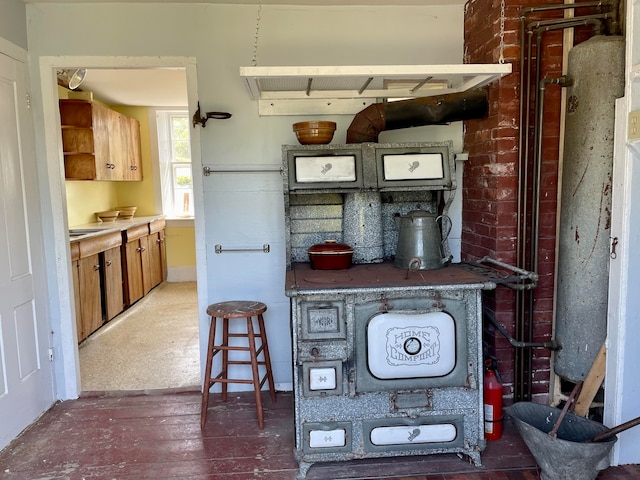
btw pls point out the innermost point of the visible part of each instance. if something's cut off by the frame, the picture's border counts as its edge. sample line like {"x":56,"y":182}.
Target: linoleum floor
{"x":153,"y":345}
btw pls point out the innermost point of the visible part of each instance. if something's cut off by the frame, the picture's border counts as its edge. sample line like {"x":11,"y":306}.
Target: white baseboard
{"x":181,"y":274}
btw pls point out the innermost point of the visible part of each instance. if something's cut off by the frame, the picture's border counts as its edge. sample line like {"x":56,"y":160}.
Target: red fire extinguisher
{"x":492,"y":403}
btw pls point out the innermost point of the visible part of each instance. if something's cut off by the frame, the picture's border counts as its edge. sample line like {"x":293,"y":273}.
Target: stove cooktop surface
{"x":302,"y":277}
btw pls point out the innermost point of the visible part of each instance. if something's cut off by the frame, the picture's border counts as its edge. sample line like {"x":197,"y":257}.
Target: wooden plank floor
{"x":159,"y":436}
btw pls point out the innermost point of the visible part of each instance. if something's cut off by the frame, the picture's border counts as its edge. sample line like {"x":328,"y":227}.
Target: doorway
{"x":163,"y":297}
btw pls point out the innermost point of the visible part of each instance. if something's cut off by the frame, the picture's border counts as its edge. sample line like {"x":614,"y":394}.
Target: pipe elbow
{"x":367,"y":124}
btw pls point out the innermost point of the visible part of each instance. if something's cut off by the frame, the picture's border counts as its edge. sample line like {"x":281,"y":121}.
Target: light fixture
{"x":71,"y":78}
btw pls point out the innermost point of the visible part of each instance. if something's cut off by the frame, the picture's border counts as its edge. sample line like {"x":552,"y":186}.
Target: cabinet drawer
{"x":136,"y":232}
{"x":157,"y":225}
{"x":94,"y":245}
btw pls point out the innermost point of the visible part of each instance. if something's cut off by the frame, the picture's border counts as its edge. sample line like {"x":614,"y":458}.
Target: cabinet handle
{"x":96,"y":267}
{"x":108,"y":263}
{"x":140,"y":249}
{"x":159,"y":240}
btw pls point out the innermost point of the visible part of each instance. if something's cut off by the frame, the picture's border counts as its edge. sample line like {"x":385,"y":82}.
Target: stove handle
{"x":524,"y":275}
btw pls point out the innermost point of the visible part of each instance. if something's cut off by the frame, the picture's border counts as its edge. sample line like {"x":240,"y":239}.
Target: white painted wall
{"x":13,"y":24}
{"x":239,"y":210}
{"x":622,"y":381}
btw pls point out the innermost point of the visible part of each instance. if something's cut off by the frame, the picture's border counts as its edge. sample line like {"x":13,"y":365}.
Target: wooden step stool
{"x":226,"y":311}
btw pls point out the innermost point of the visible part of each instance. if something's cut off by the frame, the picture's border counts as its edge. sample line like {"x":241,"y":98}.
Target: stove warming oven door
{"x":390,"y":372}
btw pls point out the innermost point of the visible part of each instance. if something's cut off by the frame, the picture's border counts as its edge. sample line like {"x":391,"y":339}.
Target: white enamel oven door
{"x":414,"y":346}
{"x":411,"y":345}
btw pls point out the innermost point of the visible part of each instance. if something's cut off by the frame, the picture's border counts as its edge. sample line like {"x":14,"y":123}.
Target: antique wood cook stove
{"x":386,"y":361}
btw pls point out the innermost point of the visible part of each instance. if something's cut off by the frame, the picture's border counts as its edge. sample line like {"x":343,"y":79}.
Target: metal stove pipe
{"x":415,"y":112}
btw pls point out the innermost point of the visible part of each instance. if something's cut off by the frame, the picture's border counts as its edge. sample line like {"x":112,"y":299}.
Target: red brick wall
{"x":490,"y":185}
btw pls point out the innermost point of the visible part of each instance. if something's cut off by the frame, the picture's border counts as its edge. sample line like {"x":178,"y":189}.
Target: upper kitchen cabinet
{"x":99,"y":143}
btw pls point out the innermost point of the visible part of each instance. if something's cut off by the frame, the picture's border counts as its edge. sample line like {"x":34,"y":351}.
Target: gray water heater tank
{"x":596,"y":67}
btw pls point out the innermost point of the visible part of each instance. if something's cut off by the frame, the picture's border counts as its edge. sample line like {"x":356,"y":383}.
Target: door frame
{"x":52,"y":182}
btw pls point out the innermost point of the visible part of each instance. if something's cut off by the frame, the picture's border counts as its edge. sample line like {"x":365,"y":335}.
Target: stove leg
{"x":304,"y":468}
{"x":475,"y":458}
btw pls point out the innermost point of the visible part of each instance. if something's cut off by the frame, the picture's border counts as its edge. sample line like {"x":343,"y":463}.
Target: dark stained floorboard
{"x":138,"y":437}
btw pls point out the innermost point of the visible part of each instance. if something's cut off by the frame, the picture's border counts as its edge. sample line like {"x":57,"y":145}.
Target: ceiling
{"x":168,"y":87}
{"x":151,"y":87}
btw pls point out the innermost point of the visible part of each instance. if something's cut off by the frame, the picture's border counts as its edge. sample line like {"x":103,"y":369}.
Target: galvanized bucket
{"x":568,"y":456}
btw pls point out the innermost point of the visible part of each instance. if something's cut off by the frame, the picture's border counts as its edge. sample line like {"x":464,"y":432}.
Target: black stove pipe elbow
{"x":415,"y":112}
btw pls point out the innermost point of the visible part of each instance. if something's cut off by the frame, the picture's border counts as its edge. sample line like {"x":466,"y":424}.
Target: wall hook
{"x":197,"y":119}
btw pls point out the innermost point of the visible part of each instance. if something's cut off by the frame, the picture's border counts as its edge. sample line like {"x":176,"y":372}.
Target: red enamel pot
{"x":330,"y":255}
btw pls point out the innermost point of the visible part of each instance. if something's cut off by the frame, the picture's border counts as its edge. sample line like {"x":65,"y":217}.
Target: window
{"x":174,"y":155}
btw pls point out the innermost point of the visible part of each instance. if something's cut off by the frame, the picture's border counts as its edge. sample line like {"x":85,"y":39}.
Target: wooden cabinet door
{"x":113,"y":293}
{"x":102,"y":143}
{"x":75,"y":274}
{"x":133,"y":168}
{"x":145,"y":261}
{"x":90,"y":293}
{"x":157,"y":258}
{"x":133,"y":261}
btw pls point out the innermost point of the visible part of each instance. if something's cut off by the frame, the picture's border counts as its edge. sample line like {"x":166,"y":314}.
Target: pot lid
{"x":330,"y":247}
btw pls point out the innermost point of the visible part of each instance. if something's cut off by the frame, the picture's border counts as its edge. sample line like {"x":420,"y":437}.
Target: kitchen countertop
{"x":88,"y":230}
{"x":303,"y":280}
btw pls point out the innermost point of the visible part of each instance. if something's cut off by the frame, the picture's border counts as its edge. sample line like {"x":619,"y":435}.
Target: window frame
{"x":160,"y":145}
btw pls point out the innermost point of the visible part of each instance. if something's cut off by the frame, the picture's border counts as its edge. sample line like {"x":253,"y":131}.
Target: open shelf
{"x":308,"y":90}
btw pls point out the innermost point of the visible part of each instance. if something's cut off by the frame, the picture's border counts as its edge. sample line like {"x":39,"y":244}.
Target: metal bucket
{"x":569,"y":456}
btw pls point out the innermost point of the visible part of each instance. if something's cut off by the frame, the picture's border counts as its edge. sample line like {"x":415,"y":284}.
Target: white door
{"x":26,"y":376}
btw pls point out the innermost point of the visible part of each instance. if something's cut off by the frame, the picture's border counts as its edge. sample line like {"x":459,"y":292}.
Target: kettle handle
{"x":442,"y":227}
{"x":446,"y":260}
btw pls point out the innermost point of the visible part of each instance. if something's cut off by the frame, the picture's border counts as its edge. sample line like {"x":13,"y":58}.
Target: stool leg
{"x":225,"y":357}
{"x":207,"y":374}
{"x":256,"y":375}
{"x":267,"y":358}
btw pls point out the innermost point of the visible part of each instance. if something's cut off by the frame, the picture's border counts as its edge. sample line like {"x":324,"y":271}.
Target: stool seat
{"x":236,"y":309}
{"x":227,"y":311}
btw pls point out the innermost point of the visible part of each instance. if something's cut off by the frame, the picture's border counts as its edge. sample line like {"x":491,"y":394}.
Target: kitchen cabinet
{"x":113,"y":291}
{"x":99,"y":143}
{"x":97,"y":281}
{"x":133,"y":170}
{"x":157,"y":252}
{"x":145,"y":259}
{"x":136,"y":263}
{"x":75,"y":258}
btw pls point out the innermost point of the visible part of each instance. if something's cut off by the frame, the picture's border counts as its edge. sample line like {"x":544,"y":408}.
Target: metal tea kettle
{"x":421,"y":241}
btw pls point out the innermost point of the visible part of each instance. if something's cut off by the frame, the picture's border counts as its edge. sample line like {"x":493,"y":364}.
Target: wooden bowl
{"x":315,"y":132}
{"x":127,"y":213}
{"x":108,"y":216}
